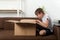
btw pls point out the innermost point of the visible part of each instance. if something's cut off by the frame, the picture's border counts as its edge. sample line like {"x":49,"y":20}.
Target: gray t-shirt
{"x":46,"y":17}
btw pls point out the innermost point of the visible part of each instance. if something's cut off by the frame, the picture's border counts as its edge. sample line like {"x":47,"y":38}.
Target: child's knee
{"x":42,"y":32}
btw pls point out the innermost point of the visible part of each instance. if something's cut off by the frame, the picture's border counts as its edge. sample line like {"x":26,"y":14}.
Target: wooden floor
{"x":9,"y":35}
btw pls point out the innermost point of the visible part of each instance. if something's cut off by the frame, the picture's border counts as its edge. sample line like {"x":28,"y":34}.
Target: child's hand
{"x":38,"y":21}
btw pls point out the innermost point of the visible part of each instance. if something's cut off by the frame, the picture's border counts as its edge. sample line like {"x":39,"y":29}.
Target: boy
{"x":43,"y":25}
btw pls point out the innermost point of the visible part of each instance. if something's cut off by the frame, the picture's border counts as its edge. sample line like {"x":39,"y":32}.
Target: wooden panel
{"x":8,"y":11}
{"x":25,"y":30}
{"x":1,"y":23}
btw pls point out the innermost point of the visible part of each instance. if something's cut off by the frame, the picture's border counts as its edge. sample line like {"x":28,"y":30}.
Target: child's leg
{"x":48,"y":32}
{"x":38,"y":28}
{"x":42,"y":32}
{"x":45,"y":32}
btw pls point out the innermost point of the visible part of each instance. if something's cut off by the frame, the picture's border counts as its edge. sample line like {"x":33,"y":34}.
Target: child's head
{"x":39,"y":13}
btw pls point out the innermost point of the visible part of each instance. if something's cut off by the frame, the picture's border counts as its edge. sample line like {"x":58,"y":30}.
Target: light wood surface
{"x":24,"y":27}
{"x":12,"y":21}
{"x":31,"y":21}
{"x":8,"y":11}
{"x":25,"y":30}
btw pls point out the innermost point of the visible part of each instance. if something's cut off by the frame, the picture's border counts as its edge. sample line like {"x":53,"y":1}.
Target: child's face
{"x":40,"y":16}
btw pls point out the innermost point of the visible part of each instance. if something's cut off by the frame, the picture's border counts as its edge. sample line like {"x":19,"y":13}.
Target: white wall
{"x":51,"y":6}
{"x":9,"y":4}
{"x":29,"y":6}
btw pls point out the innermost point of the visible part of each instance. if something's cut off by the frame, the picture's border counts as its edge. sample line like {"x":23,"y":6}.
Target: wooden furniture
{"x":58,"y":31}
{"x":8,"y":11}
{"x":11,"y":11}
{"x":24,"y":27}
{"x":7,"y":33}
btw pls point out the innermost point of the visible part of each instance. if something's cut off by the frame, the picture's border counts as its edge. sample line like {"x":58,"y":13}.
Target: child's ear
{"x":47,"y":18}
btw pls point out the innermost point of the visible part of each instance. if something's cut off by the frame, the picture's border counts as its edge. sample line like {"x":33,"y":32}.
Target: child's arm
{"x":44,"y":24}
